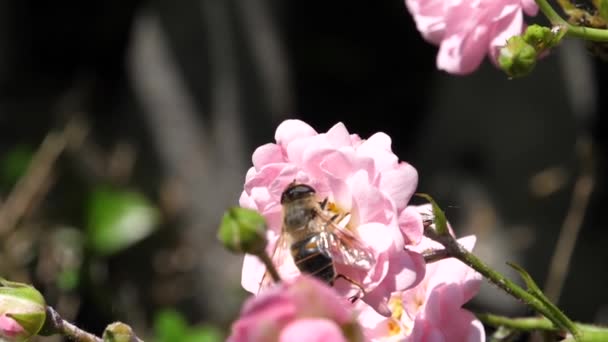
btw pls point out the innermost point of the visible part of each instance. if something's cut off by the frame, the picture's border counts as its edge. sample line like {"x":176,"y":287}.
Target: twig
{"x":31,"y":185}
{"x":435,"y":255}
{"x":55,"y":324}
{"x":589,"y":332}
{"x":571,"y":227}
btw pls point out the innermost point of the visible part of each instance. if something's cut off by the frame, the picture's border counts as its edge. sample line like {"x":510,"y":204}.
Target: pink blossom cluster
{"x":404,"y":299}
{"x":468,"y":30}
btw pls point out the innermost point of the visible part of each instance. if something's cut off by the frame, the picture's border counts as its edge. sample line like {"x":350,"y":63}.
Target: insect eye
{"x":295,"y":192}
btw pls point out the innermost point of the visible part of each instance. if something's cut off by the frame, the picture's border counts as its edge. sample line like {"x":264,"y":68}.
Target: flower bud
{"x":243,"y":230}
{"x":517,"y":58}
{"x":118,"y":332}
{"x":22,"y":311}
{"x":543,"y":38}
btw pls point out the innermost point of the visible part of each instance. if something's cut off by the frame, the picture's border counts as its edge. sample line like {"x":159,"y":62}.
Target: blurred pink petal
{"x":301,"y":308}
{"x":312,"y":330}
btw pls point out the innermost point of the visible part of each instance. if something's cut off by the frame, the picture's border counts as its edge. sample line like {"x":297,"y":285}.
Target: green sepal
{"x":22,"y":291}
{"x":441,"y":223}
{"x":517,"y":58}
{"x":243,"y":231}
{"x":31,"y":322}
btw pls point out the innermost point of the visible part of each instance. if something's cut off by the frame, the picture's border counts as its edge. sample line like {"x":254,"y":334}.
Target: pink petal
{"x":338,"y":164}
{"x":462,"y":325}
{"x":369,"y":203}
{"x":290,"y":130}
{"x":378,"y":147}
{"x":506,"y":28}
{"x":267,"y":154}
{"x":338,"y":136}
{"x":263,"y":317}
{"x":246,"y":201}
{"x":298,"y":148}
{"x":312,"y":330}
{"x":425,"y":332}
{"x":530,"y":7}
{"x":429,"y":18}
{"x":462,"y":53}
{"x":406,"y":269}
{"x":340,"y":193}
{"x":399,"y":184}
{"x":252,"y":273}
{"x":410,"y":223}
{"x":9,"y":327}
{"x":316,"y":299}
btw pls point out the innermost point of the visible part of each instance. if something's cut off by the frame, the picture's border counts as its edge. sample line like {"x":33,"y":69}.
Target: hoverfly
{"x":314,"y":239}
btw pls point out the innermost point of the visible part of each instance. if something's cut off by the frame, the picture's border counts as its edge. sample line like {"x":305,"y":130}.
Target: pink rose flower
{"x":467,"y":30}
{"x":431,"y":311}
{"x":10,"y":330}
{"x":301,"y":309}
{"x":360,"y":177}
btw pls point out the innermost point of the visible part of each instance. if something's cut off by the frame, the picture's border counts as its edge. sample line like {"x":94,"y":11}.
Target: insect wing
{"x":278,"y":256}
{"x":344,"y":247}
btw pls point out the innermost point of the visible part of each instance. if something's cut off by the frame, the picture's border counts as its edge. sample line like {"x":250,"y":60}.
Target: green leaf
{"x":441,"y":223}
{"x":204,"y":334}
{"x":169,"y":325}
{"x":117,"y":219}
{"x":68,"y":279}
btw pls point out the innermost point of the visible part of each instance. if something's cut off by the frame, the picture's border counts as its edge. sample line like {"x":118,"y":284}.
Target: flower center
{"x":343,"y":217}
{"x":394,"y":323}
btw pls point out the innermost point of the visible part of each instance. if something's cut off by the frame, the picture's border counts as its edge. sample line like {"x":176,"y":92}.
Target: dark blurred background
{"x":126,"y":128}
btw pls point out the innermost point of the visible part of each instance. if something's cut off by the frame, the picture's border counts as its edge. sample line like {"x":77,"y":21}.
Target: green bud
{"x":517,"y":58}
{"x":243,"y":231}
{"x":543,"y":38}
{"x":25,"y":305}
{"x":119,"y":332}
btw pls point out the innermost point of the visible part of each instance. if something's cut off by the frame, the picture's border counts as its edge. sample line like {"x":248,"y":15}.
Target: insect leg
{"x":361,"y":290}
{"x":323,"y":204}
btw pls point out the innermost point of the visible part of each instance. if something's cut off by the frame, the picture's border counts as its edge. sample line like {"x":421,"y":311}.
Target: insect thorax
{"x":297,"y":218}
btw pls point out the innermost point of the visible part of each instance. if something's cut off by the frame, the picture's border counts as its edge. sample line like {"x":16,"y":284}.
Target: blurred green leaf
{"x":68,"y":280}
{"x":14,"y":164}
{"x":117,"y":219}
{"x":204,"y":334}
{"x":170,"y":325}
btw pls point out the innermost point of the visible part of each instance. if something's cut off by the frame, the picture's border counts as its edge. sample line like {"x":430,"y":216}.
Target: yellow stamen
{"x":394,"y":328}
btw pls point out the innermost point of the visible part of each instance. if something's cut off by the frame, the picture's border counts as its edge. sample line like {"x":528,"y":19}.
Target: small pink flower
{"x":361,"y":177}
{"x":432,"y":310}
{"x":301,"y":309}
{"x":10,"y":330}
{"x":467,"y":30}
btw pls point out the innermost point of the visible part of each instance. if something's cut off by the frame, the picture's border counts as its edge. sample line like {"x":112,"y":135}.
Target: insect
{"x":314,"y":239}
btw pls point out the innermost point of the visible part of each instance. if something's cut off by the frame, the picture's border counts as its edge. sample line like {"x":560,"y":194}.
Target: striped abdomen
{"x":309,"y":259}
